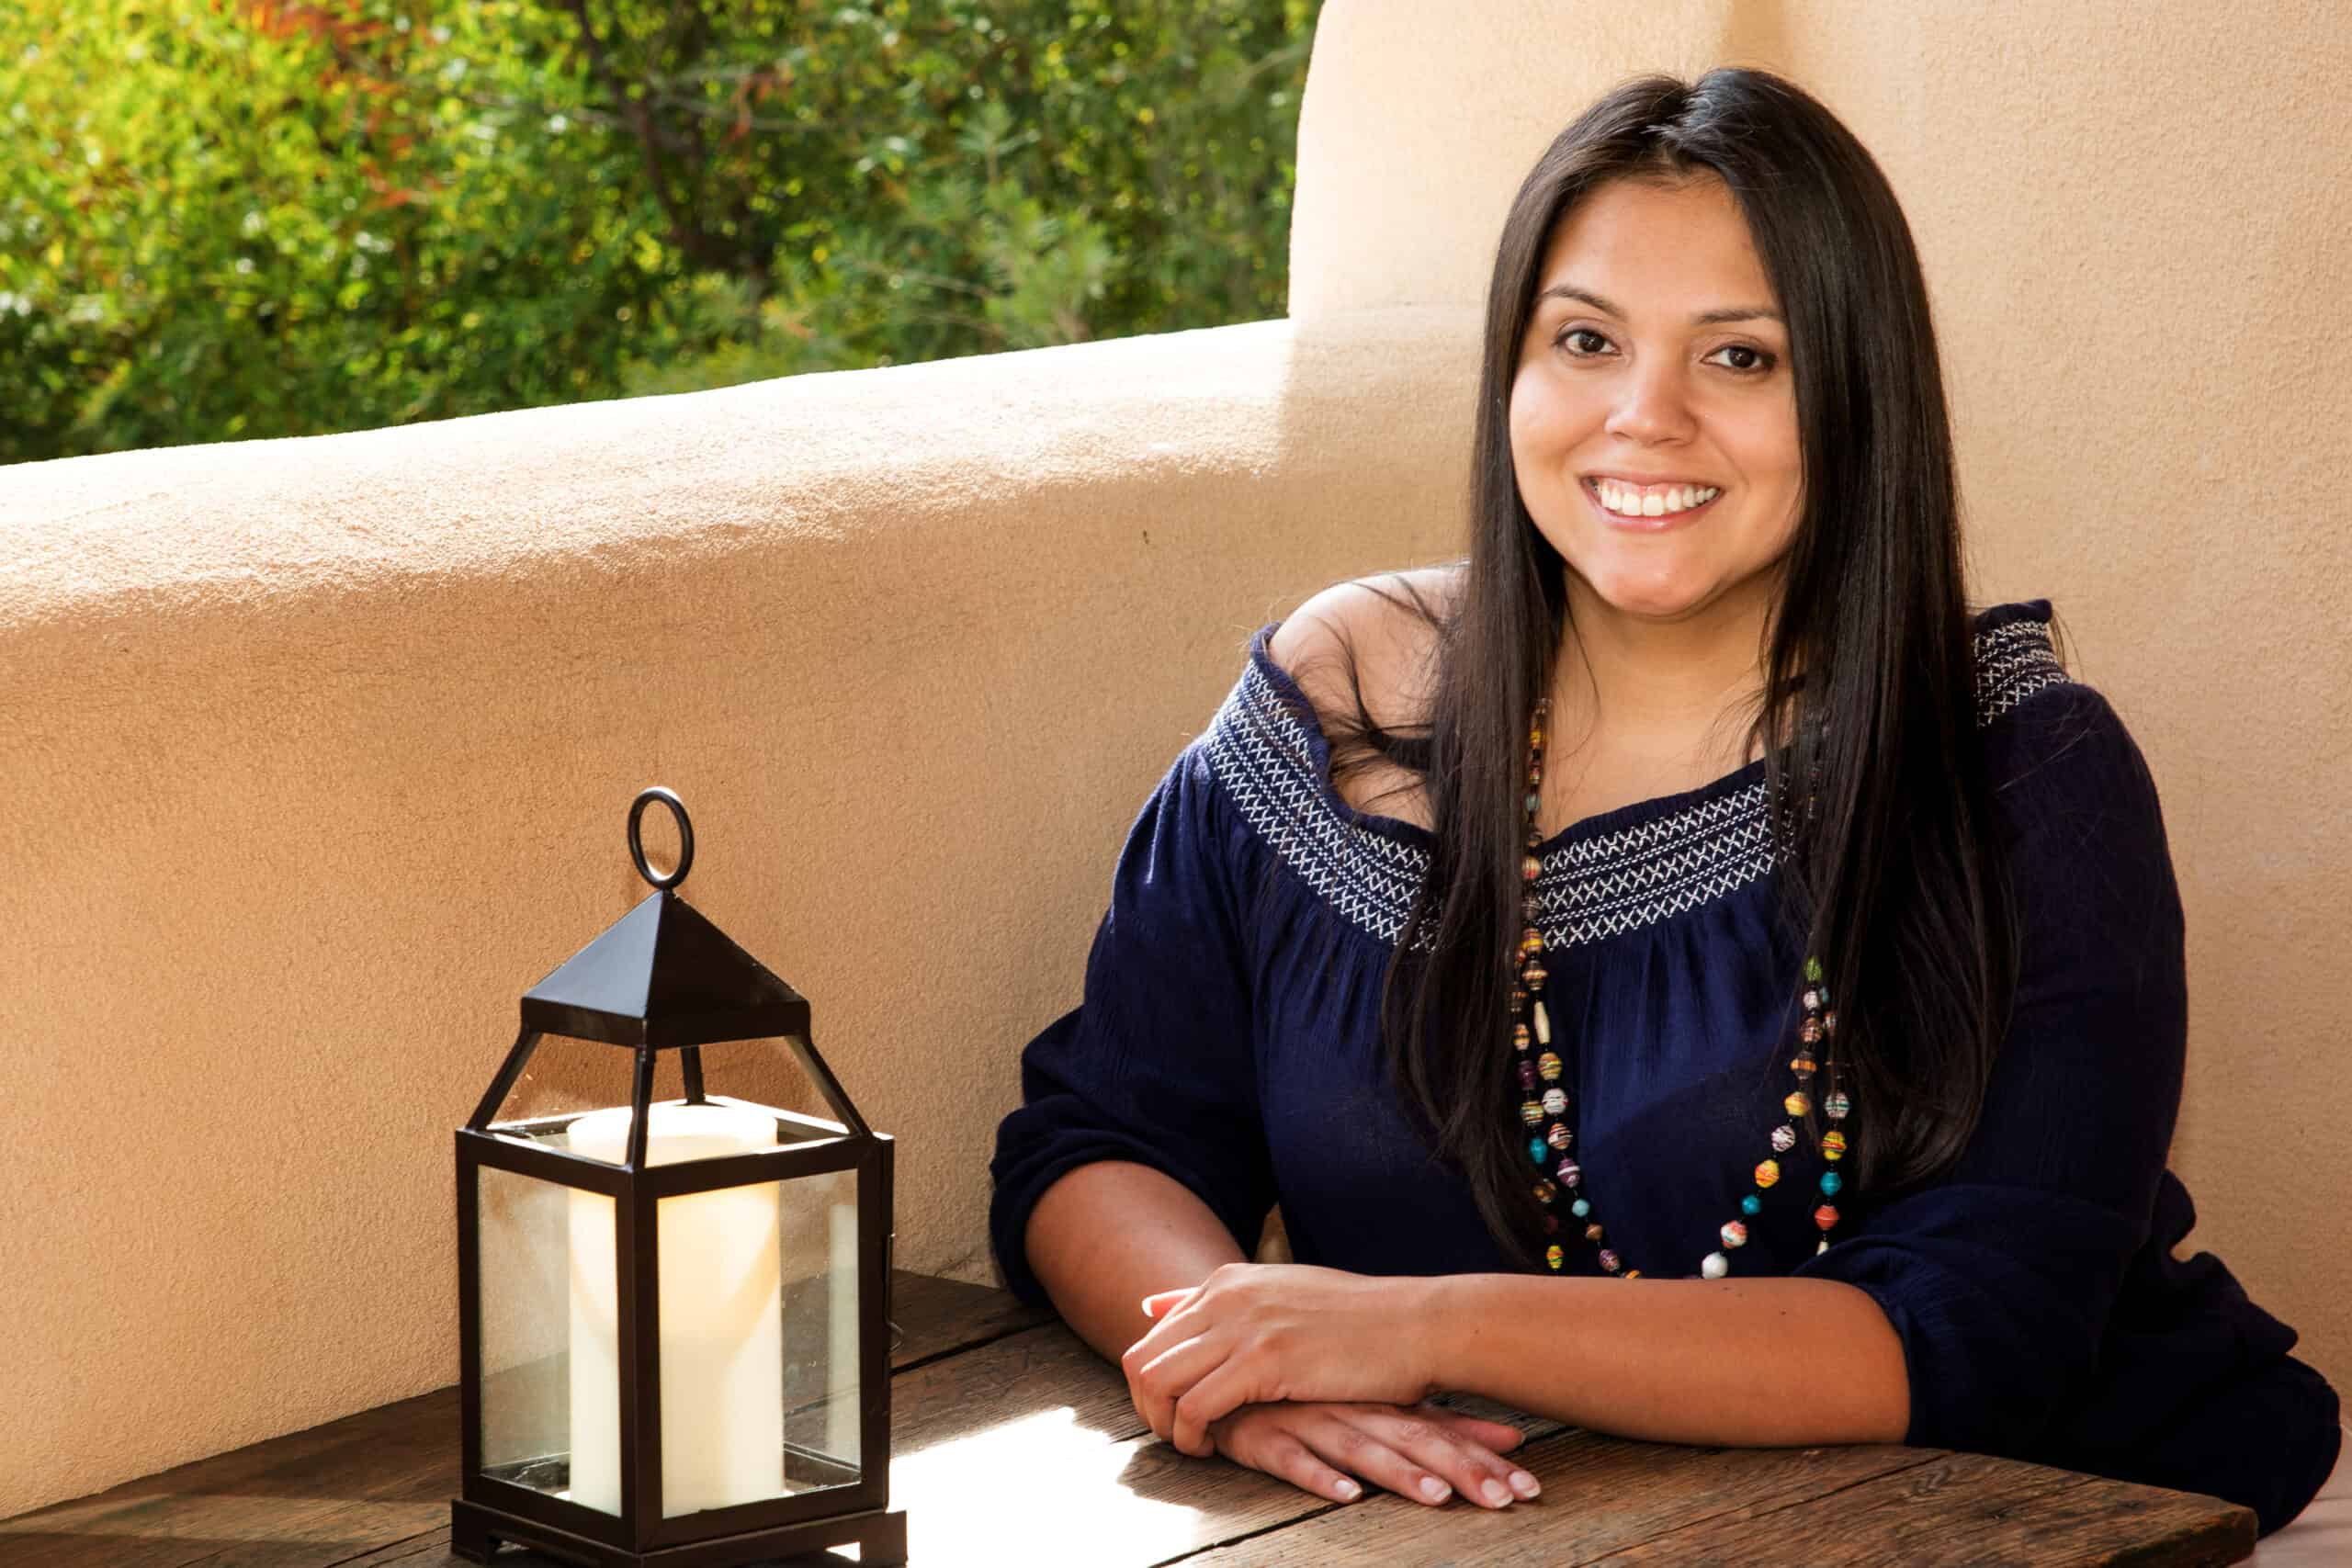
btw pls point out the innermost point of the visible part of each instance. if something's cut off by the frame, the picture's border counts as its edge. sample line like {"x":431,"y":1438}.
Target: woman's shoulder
{"x":1385,"y":622}
{"x":2056,"y":748}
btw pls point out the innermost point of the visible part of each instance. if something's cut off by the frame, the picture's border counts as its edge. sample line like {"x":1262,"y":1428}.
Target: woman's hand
{"x":1421,"y":1452}
{"x":1259,"y":1332}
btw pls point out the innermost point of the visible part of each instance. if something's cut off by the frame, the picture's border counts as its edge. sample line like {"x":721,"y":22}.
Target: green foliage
{"x":229,"y":219}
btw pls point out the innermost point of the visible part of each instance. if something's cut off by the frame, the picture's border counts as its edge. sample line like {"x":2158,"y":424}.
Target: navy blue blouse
{"x":1228,"y":1036}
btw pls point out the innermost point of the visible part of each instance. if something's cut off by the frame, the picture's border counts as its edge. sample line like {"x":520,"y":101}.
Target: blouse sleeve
{"x":1998,"y":1278}
{"x":1156,"y":1065}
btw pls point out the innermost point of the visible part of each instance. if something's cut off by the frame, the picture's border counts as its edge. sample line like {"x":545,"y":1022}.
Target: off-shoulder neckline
{"x":1601,"y":825}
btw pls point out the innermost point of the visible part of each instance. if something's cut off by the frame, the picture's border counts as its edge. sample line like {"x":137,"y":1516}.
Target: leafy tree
{"x":252,"y":218}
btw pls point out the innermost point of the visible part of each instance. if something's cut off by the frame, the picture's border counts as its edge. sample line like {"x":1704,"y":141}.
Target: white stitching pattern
{"x":1260,"y":747}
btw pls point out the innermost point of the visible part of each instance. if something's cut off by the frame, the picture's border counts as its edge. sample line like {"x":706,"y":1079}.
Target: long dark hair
{"x":1867,"y":706}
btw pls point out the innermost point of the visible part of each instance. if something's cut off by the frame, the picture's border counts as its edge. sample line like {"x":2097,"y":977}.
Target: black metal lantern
{"x":673,"y":1318}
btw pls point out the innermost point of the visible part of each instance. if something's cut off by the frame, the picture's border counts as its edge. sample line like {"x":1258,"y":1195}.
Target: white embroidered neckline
{"x":1594,"y":881}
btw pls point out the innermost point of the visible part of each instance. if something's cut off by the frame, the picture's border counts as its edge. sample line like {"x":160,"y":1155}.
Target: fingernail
{"x":1525,"y":1482}
{"x":1436,"y":1491}
{"x":1349,"y":1491}
{"x":1496,"y":1492}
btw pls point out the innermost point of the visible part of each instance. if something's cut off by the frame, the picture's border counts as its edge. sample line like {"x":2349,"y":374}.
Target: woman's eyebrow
{"x":1703,"y":319}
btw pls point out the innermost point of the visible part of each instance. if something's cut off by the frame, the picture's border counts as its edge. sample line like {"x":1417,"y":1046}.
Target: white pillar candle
{"x":721,"y":1319}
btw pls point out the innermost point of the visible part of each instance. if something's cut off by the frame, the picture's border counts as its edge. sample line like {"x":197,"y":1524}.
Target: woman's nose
{"x":1652,"y":404}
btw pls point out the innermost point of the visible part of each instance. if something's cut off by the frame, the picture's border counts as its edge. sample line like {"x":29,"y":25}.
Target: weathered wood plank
{"x":1014,"y":1378}
{"x":1012,"y":1439}
{"x":367,"y":1481}
{"x":937,"y":1316}
{"x":305,"y":1500}
{"x":1600,"y":1494}
{"x":1966,"y":1507}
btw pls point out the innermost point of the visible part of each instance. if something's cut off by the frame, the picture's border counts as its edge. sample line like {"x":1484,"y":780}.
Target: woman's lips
{"x":1658,"y":525}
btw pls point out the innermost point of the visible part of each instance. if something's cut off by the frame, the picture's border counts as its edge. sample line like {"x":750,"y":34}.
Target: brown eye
{"x":1580,"y":333}
{"x":1758,"y":360}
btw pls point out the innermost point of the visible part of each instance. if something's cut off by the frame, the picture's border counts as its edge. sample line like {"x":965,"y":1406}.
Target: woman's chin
{"x":1650,"y":597}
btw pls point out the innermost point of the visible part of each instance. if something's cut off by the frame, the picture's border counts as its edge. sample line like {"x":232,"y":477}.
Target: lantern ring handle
{"x":685,"y":836}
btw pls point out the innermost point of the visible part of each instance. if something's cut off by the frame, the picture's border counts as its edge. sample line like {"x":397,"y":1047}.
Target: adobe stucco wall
{"x":2136,"y":222}
{"x":314,"y":754}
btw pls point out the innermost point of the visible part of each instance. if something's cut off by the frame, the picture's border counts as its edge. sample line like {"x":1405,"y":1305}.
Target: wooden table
{"x":1013,"y":1442}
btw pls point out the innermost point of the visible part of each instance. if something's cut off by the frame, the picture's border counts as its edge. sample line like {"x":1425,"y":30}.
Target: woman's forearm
{"x":1107,"y":1235}
{"x":1747,"y":1363}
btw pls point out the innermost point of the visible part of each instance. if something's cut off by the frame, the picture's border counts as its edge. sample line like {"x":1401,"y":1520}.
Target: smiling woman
{"x":1805,"y":1079}
{"x":1642,"y":406}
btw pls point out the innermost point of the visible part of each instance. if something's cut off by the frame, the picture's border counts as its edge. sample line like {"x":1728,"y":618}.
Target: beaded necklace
{"x":1545,"y":1116}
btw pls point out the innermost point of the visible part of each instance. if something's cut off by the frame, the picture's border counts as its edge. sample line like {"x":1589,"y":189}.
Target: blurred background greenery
{"x":229,"y":219}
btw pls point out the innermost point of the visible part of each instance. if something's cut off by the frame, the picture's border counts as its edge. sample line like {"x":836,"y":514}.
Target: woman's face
{"x":1628,"y":397}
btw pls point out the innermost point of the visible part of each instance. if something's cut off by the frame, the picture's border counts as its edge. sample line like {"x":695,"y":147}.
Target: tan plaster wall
{"x":2136,"y":223}
{"x":314,"y":754}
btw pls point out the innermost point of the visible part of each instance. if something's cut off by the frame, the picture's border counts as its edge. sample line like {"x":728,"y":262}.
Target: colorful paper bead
{"x":1549,"y":1064}
{"x":1833,"y":1145}
{"x":1532,"y":1113}
{"x":1768,"y":1173}
{"x":1784,"y":1138}
{"x":1735,"y":1235}
{"x":1813,"y":970}
{"x":1714,"y":1266}
{"x":1798,"y":1103}
{"x":1570,"y":1175}
{"x":1812,"y":1000}
{"x":1803,"y":1065}
{"x":1535,"y":974}
{"x":1609,"y":1260}
{"x":1561,"y":1137}
{"x":1519,"y":1036}
{"x":1837,"y":1105}
{"x":1554,"y":1256}
{"x":1531,"y":941}
{"x":1829,"y":1021}
{"x":1592,"y":1233}
{"x":1824,"y":1216}
{"x":1810,"y":1031}
{"x":1544,"y":1191}
{"x":1831,"y":1181}
{"x":1527,"y":1074}
{"x":1530,"y":867}
{"x":1556,"y":1102}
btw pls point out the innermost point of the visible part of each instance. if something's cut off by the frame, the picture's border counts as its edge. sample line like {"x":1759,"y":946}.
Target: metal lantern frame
{"x":664,"y":978}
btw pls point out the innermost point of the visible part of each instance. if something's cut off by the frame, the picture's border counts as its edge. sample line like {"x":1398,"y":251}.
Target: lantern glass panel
{"x":822,"y":1351}
{"x":549,"y":1390}
{"x":760,"y":1392}
{"x":566,"y":1078}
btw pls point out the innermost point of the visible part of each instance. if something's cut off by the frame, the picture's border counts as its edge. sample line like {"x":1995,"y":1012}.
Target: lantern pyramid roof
{"x":664,"y":975}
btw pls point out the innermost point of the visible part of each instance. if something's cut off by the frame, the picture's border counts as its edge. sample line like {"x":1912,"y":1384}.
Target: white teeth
{"x":1628,"y":501}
